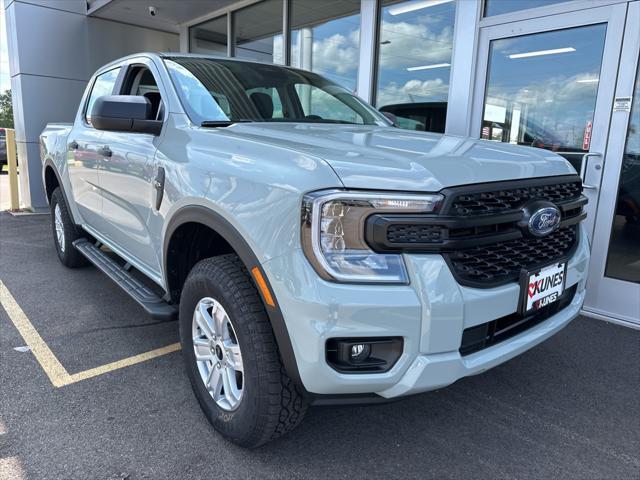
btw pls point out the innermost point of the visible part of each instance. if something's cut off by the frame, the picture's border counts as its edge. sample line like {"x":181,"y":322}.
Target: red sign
{"x":586,"y":139}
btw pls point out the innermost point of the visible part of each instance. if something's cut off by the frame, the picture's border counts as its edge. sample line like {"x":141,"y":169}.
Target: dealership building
{"x":554,"y":74}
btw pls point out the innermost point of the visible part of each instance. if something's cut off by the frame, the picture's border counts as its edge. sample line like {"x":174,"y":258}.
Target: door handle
{"x":105,"y":151}
{"x":73,"y":145}
{"x":583,"y":169}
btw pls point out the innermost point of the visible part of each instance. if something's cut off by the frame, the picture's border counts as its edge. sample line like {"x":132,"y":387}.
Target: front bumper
{"x":430,"y":314}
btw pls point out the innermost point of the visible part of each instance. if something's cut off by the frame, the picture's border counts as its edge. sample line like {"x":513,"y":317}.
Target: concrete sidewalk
{"x":568,"y":409}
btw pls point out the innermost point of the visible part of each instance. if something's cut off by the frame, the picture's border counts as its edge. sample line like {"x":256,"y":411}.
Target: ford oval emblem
{"x":544,"y":221}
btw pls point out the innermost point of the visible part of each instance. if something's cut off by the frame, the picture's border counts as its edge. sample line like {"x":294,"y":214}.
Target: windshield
{"x":226,"y":90}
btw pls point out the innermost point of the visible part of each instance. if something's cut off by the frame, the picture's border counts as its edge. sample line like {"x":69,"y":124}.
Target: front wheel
{"x":231,"y":355}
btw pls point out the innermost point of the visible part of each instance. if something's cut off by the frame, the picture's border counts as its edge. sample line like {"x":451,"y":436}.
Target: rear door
{"x":85,"y":152}
{"x":128,"y":174}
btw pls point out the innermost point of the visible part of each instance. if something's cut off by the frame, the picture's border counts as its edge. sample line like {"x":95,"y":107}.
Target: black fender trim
{"x":213,"y":220}
{"x":48,"y":163}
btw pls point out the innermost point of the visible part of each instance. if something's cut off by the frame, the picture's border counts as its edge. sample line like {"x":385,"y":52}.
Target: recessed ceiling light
{"x":539,"y":53}
{"x":428,"y":67}
{"x":413,"y":6}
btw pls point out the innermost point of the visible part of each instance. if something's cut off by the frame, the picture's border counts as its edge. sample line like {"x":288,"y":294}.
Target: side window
{"x":102,"y":86}
{"x":141,"y":82}
{"x":318,"y":104}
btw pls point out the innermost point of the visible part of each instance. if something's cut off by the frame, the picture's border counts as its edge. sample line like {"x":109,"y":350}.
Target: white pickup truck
{"x":312,"y":252}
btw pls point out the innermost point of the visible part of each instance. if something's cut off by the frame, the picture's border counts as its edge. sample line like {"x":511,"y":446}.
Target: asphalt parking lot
{"x":569,"y":408}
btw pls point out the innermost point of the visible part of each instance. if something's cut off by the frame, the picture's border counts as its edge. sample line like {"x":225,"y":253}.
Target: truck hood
{"x":386,"y":158}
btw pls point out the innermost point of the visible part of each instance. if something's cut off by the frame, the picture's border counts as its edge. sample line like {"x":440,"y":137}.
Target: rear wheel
{"x":64,"y":232}
{"x":231,"y":355}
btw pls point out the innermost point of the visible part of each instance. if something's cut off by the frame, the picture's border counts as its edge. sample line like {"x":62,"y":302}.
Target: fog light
{"x":362,"y":355}
{"x":360,"y":352}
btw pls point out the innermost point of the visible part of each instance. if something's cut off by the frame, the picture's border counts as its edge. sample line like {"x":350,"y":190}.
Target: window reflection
{"x":623,"y":261}
{"x":541,"y":90}
{"x":414,"y":63}
{"x":209,"y":38}
{"x":330,"y":47}
{"x":102,"y":86}
{"x":258,"y":31}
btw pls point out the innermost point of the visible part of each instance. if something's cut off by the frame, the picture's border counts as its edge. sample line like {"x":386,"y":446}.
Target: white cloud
{"x":414,"y":45}
{"x":337,"y":53}
{"x":414,"y":91}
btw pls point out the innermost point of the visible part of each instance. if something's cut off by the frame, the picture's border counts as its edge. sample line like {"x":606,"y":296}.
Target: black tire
{"x":271,"y":404}
{"x":68,"y":255}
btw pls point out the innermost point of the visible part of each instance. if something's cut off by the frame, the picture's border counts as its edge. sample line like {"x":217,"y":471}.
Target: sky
{"x":5,"y":83}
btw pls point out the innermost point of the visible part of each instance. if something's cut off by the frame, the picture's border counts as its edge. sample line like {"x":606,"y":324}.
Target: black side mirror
{"x":124,"y":113}
{"x":391,"y":117}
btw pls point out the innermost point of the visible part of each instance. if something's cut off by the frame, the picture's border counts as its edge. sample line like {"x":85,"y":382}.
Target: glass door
{"x":613,"y":288}
{"x":549,"y":83}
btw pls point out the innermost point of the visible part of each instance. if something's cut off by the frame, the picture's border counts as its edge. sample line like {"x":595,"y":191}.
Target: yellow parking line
{"x":109,"y":367}
{"x":48,"y":361}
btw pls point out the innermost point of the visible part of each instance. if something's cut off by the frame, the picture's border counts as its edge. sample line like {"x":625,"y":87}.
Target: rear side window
{"x":102,"y":86}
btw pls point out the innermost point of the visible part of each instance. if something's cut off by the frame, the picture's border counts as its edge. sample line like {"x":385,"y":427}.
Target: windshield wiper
{"x":223,"y":123}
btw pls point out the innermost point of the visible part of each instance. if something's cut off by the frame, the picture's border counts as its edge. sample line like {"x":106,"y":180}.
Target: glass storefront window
{"x":623,"y":261}
{"x":414,"y":62}
{"x":209,"y":38}
{"x":498,"y":7}
{"x":325,"y":38}
{"x":541,"y":90}
{"x":258,"y":31}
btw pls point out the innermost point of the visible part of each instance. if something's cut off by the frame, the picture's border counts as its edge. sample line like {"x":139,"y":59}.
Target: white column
{"x":184,"y":39}
{"x":463,"y":64}
{"x":305,"y":52}
{"x":368,"y":36}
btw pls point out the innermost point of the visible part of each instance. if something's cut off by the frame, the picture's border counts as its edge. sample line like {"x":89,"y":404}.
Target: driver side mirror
{"x":124,"y":113}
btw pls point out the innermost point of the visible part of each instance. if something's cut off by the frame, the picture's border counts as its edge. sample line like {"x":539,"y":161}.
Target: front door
{"x":613,"y":288}
{"x":549,"y":83}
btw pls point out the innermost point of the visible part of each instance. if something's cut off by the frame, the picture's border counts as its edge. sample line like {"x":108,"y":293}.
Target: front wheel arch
{"x":230,"y":241}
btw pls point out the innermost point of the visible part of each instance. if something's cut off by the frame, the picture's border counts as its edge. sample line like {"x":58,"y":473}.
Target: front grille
{"x":408,"y":233}
{"x":481,"y":229}
{"x":502,"y":262}
{"x":482,"y":203}
{"x":491,"y":333}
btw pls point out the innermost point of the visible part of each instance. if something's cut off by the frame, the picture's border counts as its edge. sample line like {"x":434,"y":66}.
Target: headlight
{"x":333,"y":227}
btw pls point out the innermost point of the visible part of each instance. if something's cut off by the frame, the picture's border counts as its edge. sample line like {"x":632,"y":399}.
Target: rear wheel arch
{"x":199,"y":220}
{"x":51,"y":179}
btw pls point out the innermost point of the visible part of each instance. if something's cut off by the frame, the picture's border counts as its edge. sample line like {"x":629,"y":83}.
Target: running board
{"x":152,"y":303}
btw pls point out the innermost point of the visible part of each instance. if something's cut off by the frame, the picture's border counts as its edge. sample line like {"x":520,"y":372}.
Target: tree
{"x":6,"y":110}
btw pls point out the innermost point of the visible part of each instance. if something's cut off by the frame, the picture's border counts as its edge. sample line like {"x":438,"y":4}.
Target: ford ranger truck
{"x":311,"y":252}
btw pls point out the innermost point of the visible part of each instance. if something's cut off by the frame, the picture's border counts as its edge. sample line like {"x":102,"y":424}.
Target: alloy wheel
{"x":57,"y":213}
{"x":218,"y":354}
